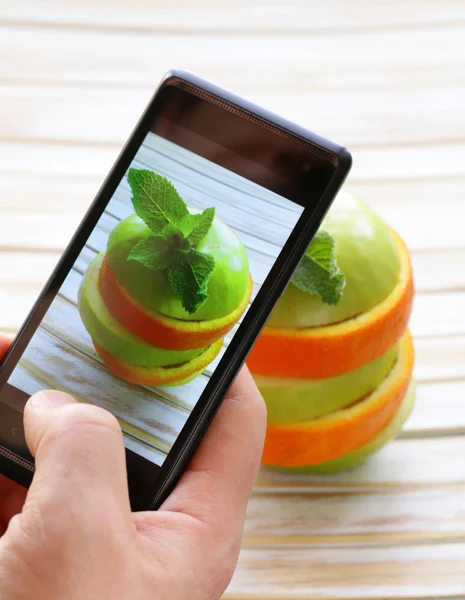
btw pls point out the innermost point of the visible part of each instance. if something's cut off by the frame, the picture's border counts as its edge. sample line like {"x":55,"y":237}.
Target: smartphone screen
{"x":161,"y":284}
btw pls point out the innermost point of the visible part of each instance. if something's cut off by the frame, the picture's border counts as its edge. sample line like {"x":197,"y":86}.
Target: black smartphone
{"x":170,"y":277}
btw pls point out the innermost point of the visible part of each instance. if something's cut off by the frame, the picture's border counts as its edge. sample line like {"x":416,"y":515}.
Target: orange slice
{"x":327,"y":438}
{"x":320,"y":352}
{"x":157,"y":329}
{"x":159,"y":375}
{"x":359,"y":456}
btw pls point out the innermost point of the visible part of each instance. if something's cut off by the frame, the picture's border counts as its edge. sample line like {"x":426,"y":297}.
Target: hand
{"x":12,"y":495}
{"x":74,"y":536}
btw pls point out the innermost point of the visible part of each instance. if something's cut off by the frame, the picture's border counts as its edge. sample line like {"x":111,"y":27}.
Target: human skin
{"x":73,"y":536}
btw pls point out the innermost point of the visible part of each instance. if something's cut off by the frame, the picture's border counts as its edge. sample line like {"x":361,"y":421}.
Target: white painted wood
{"x":318,"y":517}
{"x":439,"y":409}
{"x":210,"y":17}
{"x":406,"y":571}
{"x":374,"y":59}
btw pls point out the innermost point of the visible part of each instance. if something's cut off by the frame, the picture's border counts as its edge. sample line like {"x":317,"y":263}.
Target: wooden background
{"x":387,"y":79}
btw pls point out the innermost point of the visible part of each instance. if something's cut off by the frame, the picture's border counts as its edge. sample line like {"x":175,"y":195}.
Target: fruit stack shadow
{"x":337,"y":377}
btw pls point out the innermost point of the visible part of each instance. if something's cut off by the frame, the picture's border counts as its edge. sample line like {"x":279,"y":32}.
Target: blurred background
{"x":385,"y":79}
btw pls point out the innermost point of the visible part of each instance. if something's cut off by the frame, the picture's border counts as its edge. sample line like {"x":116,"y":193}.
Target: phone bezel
{"x":157,"y":482}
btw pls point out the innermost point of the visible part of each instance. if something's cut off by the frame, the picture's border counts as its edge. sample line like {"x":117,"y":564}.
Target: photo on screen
{"x":158,"y":292}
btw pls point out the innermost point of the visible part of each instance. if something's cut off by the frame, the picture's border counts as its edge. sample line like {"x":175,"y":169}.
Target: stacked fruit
{"x":335,"y":360}
{"x":172,"y":282}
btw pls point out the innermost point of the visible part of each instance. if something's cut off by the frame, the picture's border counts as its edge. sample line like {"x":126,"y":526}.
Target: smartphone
{"x":171,"y":275}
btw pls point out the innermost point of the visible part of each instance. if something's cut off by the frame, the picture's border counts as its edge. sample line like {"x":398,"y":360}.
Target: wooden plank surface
{"x":231,"y":15}
{"x":386,"y":79}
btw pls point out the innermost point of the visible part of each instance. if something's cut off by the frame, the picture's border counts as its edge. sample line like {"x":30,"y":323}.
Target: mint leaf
{"x":318,"y":272}
{"x":155,"y":199}
{"x":200,"y":226}
{"x":169,"y":232}
{"x":175,"y":234}
{"x":189,"y":276}
{"x":153,"y":253}
{"x":188,"y":224}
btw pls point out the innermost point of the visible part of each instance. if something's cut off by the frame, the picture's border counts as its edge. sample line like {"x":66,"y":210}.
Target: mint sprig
{"x":152,"y":252}
{"x":155,"y":199}
{"x":189,"y":276}
{"x":176,"y":233}
{"x":198,"y":225}
{"x":318,"y":272}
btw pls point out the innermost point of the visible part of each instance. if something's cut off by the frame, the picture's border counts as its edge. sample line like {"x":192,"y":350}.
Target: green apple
{"x":227,"y":285}
{"x":355,"y":458}
{"x":366,"y":253}
{"x":107,"y":332}
{"x":295,"y":400}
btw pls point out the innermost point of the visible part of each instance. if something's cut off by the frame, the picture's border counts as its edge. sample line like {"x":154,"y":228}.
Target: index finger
{"x":218,"y":483}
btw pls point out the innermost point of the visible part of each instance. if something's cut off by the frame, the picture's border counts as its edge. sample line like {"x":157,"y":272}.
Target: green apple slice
{"x":295,"y":400}
{"x":113,"y":337}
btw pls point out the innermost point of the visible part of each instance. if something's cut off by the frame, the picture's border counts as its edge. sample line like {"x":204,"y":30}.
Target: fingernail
{"x":49,"y":399}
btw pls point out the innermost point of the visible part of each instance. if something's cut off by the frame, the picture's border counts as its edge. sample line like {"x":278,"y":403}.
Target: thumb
{"x":79,"y":454}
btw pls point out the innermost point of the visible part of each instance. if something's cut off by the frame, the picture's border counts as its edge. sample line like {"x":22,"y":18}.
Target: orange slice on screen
{"x":327,"y":438}
{"x":160,"y":330}
{"x":320,"y":352}
{"x":160,"y":375}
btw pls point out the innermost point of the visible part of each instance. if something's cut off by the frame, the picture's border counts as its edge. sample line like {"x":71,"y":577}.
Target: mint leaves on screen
{"x":189,"y":277}
{"x":152,"y":253}
{"x":176,"y":233}
{"x":155,"y":199}
{"x":200,"y":225}
{"x":318,"y":272}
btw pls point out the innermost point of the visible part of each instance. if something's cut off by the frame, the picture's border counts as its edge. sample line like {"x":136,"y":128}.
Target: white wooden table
{"x":387,"y":79}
